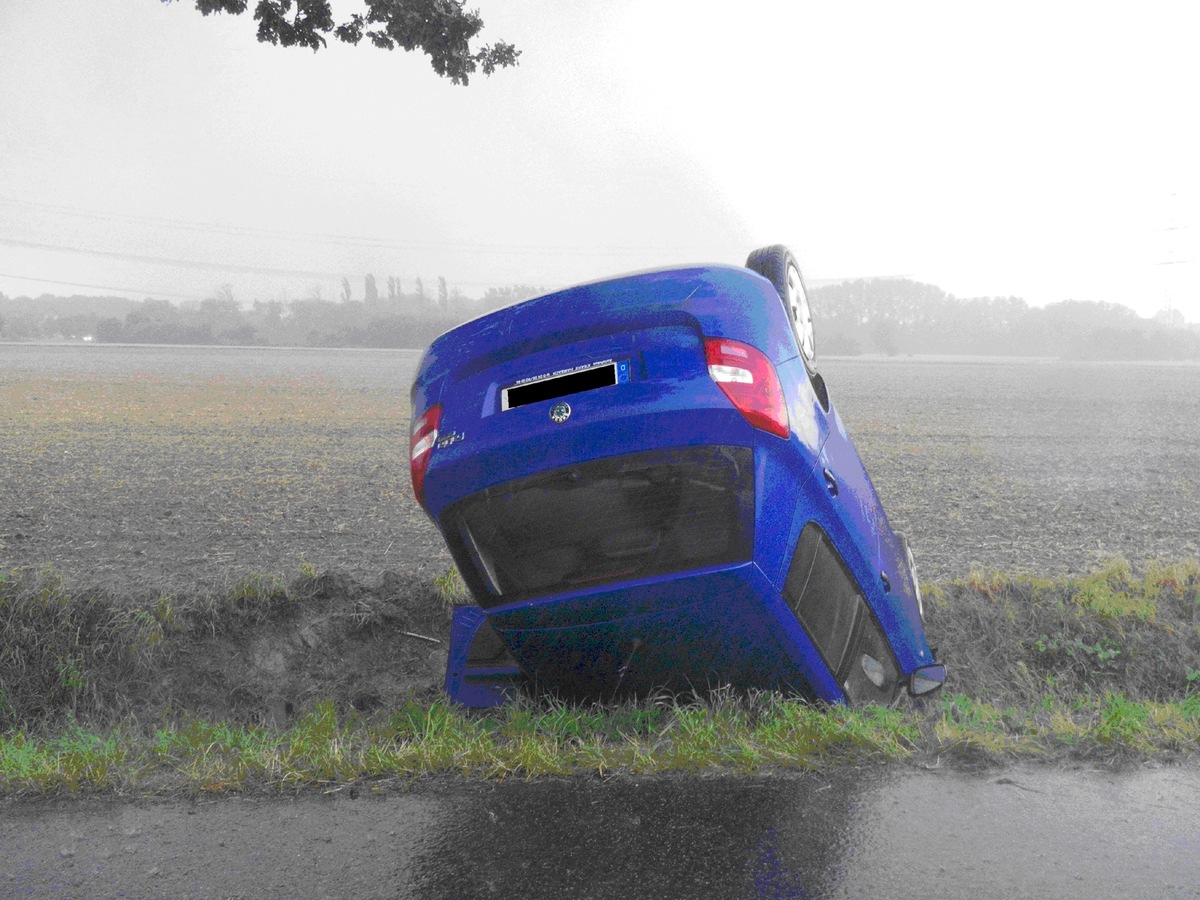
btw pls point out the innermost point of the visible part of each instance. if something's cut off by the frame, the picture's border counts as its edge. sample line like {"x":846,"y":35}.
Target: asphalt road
{"x":879,"y":832}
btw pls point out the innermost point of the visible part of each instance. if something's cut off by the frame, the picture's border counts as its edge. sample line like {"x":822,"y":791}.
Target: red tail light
{"x":420,"y":446}
{"x":749,"y":381}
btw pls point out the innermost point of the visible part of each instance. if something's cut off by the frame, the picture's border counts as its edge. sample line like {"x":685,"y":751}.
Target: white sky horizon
{"x":1040,"y":151}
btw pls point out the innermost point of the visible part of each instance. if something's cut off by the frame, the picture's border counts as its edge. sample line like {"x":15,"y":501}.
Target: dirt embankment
{"x":193,"y":473}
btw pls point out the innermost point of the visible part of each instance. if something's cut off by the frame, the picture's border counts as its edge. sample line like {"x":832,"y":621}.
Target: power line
{"x":211,"y":266}
{"x":102,"y":287}
{"x":209,"y":227}
{"x":362,"y":241}
{"x":168,"y":261}
{"x":156,"y":293}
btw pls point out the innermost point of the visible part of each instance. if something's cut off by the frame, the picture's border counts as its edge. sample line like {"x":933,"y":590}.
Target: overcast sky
{"x":1043,"y":150}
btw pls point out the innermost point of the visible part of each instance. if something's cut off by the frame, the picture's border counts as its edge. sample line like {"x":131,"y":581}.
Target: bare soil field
{"x":184,"y":468}
{"x":193,"y":468}
{"x":1043,"y":467}
{"x":163,"y":475}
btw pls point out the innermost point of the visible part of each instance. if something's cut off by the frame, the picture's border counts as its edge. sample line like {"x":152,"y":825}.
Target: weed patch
{"x":1012,"y":639}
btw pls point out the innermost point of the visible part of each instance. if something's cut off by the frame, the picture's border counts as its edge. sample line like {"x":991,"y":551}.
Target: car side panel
{"x":864,"y":538}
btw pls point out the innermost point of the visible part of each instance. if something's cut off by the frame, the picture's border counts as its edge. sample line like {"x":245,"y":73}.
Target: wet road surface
{"x":880,"y":832}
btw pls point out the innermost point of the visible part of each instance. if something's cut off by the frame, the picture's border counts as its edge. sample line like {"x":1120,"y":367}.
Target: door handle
{"x":831,"y":484}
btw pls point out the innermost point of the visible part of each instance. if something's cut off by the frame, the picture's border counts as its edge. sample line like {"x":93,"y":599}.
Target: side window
{"x":827,"y":601}
{"x":823,"y":595}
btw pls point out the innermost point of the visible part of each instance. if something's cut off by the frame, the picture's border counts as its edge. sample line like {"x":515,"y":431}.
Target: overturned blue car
{"x":646,"y":487}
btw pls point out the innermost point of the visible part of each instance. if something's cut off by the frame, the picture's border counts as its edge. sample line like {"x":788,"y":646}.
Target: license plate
{"x":562,"y":384}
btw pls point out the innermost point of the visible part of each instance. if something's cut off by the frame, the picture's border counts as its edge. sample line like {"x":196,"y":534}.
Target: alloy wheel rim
{"x":801,"y":314}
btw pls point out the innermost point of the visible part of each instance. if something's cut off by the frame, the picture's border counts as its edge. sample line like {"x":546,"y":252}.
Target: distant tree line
{"x":884,"y":315}
{"x":393,"y":319}
{"x":899,"y":316}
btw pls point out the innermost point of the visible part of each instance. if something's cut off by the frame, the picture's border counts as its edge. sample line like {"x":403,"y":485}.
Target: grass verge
{"x":329,"y":746}
{"x":1104,"y":668}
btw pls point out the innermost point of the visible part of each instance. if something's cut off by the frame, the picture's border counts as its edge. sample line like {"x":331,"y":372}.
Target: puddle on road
{"x":879,"y":833}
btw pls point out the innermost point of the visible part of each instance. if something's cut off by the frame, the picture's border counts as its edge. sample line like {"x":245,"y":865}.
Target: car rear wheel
{"x":777,"y":264}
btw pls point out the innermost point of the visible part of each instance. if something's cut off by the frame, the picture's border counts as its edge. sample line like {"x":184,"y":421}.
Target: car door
{"x":852,"y":496}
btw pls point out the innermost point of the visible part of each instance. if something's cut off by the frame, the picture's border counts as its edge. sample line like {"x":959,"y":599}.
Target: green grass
{"x":1013,"y":639}
{"x":758,"y":734}
{"x":1104,"y":668}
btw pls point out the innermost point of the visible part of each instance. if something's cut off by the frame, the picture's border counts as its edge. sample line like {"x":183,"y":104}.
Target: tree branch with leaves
{"x":442,"y":29}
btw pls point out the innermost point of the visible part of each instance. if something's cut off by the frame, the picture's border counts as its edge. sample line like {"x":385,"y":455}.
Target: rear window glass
{"x":604,"y":521}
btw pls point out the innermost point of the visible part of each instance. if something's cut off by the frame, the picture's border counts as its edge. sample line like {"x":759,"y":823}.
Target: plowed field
{"x":196,"y":467}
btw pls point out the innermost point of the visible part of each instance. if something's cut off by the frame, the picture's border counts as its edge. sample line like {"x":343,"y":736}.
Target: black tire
{"x":778,"y":265}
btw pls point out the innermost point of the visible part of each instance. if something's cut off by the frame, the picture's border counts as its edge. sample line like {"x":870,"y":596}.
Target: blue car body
{"x":624,"y":526}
